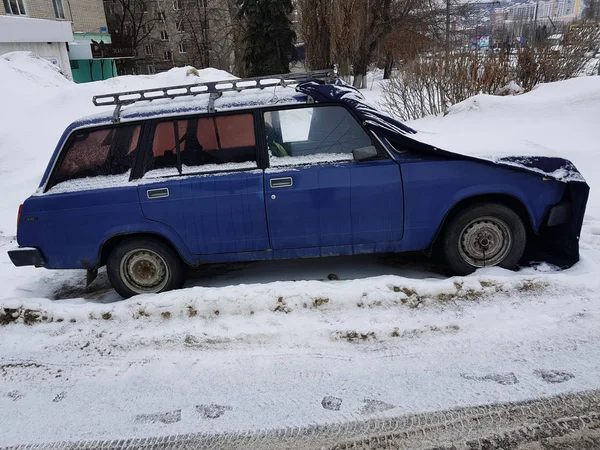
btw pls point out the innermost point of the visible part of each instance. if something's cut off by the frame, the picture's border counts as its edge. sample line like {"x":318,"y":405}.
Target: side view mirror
{"x":365,"y":153}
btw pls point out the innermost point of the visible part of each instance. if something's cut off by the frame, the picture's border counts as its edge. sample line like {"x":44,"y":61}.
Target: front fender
{"x":433,"y":187}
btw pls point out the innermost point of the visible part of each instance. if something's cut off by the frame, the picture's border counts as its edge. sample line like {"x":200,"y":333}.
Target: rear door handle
{"x":157,"y":193}
{"x":281,"y":182}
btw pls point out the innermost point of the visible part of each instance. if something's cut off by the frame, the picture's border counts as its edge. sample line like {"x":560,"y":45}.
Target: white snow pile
{"x":555,"y":119}
{"x":262,"y":345}
{"x":23,"y":71}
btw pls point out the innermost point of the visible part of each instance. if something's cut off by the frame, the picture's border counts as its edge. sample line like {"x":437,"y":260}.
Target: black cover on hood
{"x":558,"y":245}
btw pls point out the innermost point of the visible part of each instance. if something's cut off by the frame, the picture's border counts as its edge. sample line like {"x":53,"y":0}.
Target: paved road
{"x":570,"y":422}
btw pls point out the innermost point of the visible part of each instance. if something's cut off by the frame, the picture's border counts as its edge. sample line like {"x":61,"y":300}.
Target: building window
{"x":180,"y":26}
{"x":177,"y":5}
{"x":59,"y":11}
{"x":182,"y":48}
{"x":149,"y":50}
{"x":164,"y":36}
{"x":151,"y":69}
{"x":16,"y":7}
{"x":143,"y":29}
{"x":167,"y":56}
{"x":162,"y":15}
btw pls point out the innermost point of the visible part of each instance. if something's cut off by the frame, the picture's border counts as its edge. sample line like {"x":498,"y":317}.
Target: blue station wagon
{"x":283,"y":167}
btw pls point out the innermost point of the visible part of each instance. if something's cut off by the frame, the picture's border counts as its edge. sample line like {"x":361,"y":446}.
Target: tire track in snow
{"x":567,"y":421}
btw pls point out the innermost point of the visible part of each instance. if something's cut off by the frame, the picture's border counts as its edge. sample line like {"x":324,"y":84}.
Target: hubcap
{"x":485,"y":242}
{"x":144,"y":271}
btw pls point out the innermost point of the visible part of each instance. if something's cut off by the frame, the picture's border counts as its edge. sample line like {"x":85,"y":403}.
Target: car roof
{"x":165,"y":108}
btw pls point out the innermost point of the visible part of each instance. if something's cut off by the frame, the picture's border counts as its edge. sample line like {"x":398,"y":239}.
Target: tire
{"x":144,"y":266}
{"x":483,"y":235}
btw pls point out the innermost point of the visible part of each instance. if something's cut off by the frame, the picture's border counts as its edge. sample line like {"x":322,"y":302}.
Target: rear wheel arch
{"x":112,"y":242}
{"x":144,"y":265}
{"x":507,"y":200}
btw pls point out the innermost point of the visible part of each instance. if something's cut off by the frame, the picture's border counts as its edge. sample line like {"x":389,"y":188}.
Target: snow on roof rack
{"x":214,"y":88}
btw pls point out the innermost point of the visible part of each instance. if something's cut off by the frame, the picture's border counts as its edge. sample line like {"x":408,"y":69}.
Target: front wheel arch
{"x":507,"y":200}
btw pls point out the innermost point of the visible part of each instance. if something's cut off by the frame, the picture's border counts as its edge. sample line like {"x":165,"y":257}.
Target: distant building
{"x":170,"y":33}
{"x":20,"y":31}
{"x":523,"y":13}
{"x":62,"y":32}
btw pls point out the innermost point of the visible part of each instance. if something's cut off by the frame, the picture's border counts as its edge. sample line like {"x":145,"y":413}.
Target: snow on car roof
{"x":277,"y":95}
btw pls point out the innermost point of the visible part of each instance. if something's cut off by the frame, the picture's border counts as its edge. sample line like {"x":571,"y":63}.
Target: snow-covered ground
{"x":277,"y":344}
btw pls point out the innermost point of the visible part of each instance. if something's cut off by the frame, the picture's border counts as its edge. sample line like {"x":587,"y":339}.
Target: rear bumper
{"x":27,"y":256}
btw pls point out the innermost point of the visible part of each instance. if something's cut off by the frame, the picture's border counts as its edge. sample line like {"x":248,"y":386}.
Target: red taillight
{"x":19,"y":214}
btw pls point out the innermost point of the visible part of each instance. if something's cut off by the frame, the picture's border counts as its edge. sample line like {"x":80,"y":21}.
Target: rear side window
{"x":109,"y":151}
{"x":205,"y":141}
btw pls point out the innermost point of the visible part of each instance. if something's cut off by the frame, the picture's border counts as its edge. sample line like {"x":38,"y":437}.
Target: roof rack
{"x":213,"y":88}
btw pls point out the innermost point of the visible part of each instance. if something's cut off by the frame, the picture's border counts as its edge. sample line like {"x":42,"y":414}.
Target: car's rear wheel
{"x":144,"y":266}
{"x":484,"y":235}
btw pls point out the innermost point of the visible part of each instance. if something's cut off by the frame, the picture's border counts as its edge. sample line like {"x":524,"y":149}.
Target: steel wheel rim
{"x":485,"y":241}
{"x":144,"y":271}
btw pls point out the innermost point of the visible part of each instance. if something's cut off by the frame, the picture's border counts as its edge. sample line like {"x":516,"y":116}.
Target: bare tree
{"x":238,"y":31}
{"x":592,"y":11}
{"x":130,"y":21}
{"x":349,"y":32}
{"x":314,"y":18}
{"x":209,"y":31}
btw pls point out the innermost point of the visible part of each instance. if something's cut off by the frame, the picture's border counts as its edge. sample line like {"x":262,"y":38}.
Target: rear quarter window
{"x":94,"y":153}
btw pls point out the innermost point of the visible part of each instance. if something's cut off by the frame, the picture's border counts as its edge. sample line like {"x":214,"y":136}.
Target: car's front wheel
{"x":484,"y":235}
{"x":144,"y":266}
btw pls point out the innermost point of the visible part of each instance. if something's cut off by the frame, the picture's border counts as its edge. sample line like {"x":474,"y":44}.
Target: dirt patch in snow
{"x":353,"y":336}
{"x":211,"y":303}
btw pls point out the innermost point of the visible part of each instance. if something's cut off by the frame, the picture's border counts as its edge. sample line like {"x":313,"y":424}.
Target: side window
{"x":108,"y":151}
{"x":318,"y":134}
{"x":204,"y":141}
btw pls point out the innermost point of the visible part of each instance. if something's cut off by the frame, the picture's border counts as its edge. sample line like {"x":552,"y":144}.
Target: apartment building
{"x":70,"y":33}
{"x":542,"y":11}
{"x":23,"y":28}
{"x":171,"y":33}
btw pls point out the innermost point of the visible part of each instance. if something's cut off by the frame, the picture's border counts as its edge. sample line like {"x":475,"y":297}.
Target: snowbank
{"x":25,"y":71}
{"x":555,"y":119}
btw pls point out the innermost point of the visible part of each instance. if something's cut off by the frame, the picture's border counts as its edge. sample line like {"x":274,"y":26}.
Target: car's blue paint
{"x":335,"y":204}
{"x":220,"y":213}
{"x":393,"y":204}
{"x":331,"y":209}
{"x":433,"y":186}
{"x":70,"y":228}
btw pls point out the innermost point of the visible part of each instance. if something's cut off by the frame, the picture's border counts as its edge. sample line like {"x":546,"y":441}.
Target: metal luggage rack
{"x":214,"y":89}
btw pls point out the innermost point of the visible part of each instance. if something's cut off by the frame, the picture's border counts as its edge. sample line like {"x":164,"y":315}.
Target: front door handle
{"x":157,"y":193}
{"x":281,"y":182}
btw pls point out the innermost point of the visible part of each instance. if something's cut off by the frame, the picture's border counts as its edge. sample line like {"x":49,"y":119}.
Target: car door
{"x":201,"y":179}
{"x":317,"y":195}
